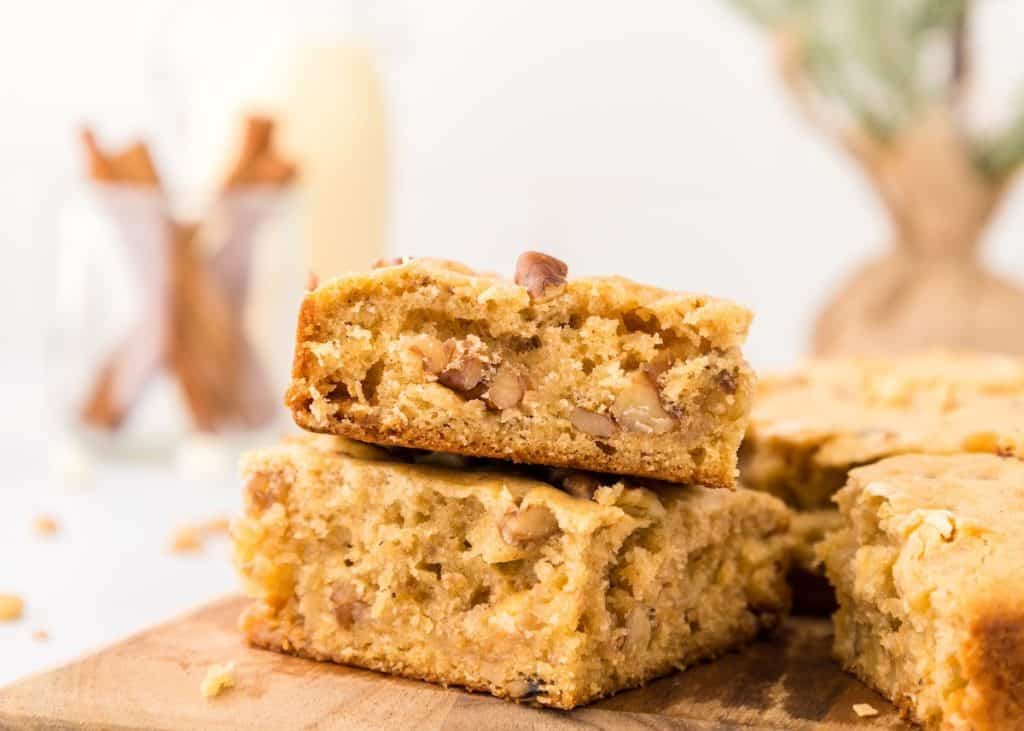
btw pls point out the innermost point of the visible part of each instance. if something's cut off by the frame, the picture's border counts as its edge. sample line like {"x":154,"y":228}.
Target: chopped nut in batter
{"x":592,"y":423}
{"x":638,"y":408}
{"x":467,"y":361}
{"x":506,"y":389}
{"x":528,"y":525}
{"x":581,"y":485}
{"x":348,"y":607}
{"x":432,"y":351}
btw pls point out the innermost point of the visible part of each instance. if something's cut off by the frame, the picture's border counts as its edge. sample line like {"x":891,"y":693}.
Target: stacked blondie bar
{"x":524,"y":487}
{"x":925,"y":550}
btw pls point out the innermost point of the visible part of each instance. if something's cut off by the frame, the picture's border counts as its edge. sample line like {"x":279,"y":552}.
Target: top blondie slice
{"x":809,"y":428}
{"x":600,"y":374}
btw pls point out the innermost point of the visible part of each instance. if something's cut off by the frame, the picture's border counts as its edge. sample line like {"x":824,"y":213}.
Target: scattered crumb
{"x":11,"y":607}
{"x":215,"y":525}
{"x":218,"y":678}
{"x":865,"y":710}
{"x":46,"y":526}
{"x":190,"y":538}
{"x":187,"y":539}
{"x":40,"y":635}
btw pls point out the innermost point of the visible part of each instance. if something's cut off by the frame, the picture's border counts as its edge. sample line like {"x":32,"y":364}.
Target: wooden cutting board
{"x":151,"y":681}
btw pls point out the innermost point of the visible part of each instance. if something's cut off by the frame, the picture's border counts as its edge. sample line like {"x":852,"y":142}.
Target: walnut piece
{"x":432,"y":351}
{"x":525,"y":526}
{"x":592,"y":423}
{"x":467,"y":360}
{"x":506,"y":389}
{"x":11,"y":607}
{"x":348,"y":607}
{"x":661,"y":364}
{"x":543,"y":276}
{"x":581,"y":484}
{"x":726,"y":381}
{"x":638,"y":408}
{"x":638,"y":632}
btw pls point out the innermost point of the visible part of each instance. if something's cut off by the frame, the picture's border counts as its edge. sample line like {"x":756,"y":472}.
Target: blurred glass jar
{"x":322,"y":68}
{"x":170,"y":333}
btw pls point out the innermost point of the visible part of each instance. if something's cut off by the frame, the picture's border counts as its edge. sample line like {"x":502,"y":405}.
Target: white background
{"x":649,"y":139}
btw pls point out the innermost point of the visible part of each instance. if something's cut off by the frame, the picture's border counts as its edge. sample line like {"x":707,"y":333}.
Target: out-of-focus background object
{"x":315,"y":65}
{"x":888,"y":81}
{"x":202,"y":300}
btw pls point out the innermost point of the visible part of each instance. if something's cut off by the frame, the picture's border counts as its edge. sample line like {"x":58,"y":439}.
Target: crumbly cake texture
{"x":930,"y":582}
{"x":499,"y":582}
{"x":601,"y":374}
{"x":809,"y":428}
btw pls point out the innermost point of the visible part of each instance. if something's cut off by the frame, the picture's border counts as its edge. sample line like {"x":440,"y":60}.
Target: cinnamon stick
{"x":193,"y":324}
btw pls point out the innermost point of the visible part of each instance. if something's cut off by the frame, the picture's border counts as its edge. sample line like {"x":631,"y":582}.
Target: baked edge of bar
{"x":421,"y":439}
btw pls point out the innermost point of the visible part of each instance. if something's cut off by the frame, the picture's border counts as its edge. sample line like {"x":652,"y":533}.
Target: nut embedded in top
{"x":543,"y":276}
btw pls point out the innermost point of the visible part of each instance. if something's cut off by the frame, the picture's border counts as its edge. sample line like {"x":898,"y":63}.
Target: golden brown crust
{"x":260,"y":631}
{"x":993,"y":661}
{"x":526,"y":452}
{"x":261,"y":635}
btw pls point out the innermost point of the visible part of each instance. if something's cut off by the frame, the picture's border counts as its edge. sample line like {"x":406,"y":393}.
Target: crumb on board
{"x":11,"y":607}
{"x":40,"y":635}
{"x":218,"y":678}
{"x":45,"y":526}
{"x":865,"y":710}
{"x":191,"y":537}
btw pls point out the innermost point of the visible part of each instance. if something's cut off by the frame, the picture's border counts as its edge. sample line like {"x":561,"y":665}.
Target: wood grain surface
{"x":151,"y":681}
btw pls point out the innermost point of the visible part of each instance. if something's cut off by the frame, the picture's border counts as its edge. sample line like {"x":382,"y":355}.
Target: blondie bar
{"x":497,"y":581}
{"x":929,"y":574}
{"x":601,"y":374}
{"x":808,"y":429}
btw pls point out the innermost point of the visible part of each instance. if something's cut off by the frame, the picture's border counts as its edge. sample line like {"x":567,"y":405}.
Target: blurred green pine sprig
{"x":878,"y":63}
